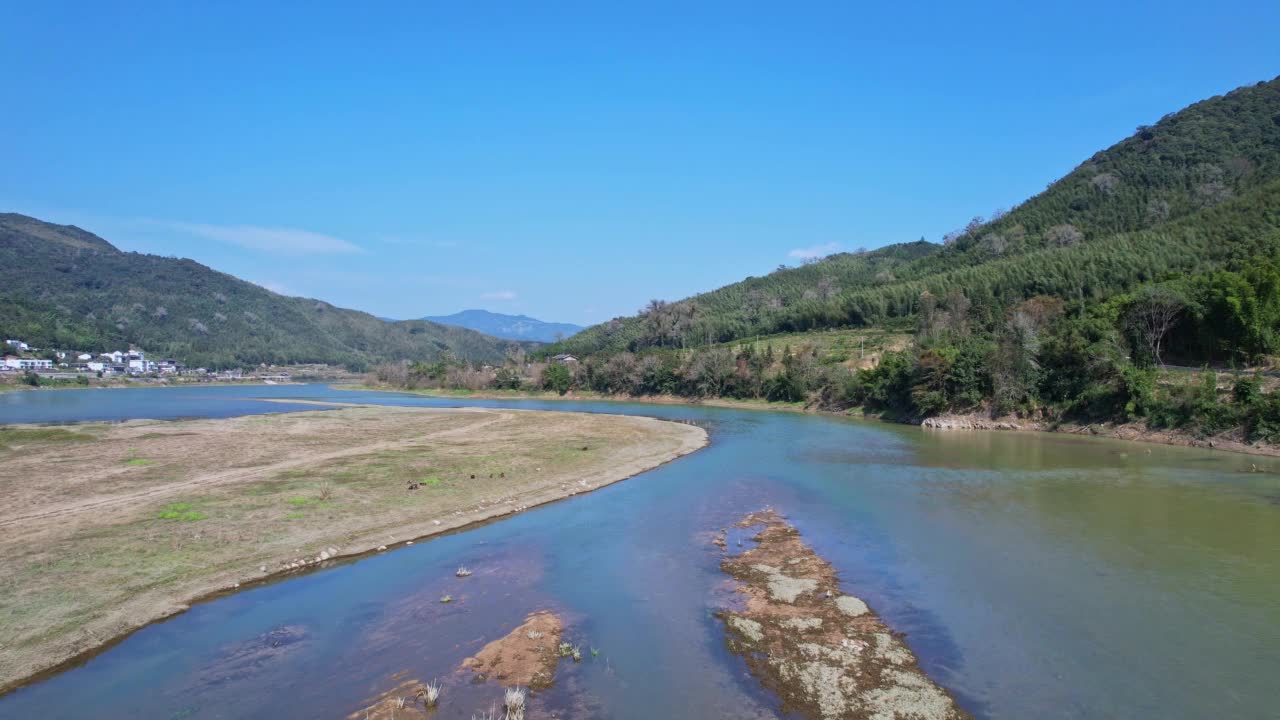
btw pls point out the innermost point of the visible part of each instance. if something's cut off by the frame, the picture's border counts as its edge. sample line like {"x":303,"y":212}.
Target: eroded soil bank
{"x":527,"y":656}
{"x":1230,"y":441}
{"x":105,"y":528}
{"x":826,"y":654}
{"x":523,"y":660}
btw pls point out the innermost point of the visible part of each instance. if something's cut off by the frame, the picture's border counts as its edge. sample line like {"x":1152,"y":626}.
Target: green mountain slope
{"x":63,"y":287}
{"x":807,"y":293}
{"x":1182,"y":195}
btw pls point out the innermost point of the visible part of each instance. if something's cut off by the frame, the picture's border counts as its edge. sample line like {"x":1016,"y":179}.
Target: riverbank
{"x":1132,"y":432}
{"x":105,"y":528}
{"x":581,"y":396}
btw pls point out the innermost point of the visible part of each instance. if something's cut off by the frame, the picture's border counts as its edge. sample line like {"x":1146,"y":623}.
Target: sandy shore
{"x":105,"y":528}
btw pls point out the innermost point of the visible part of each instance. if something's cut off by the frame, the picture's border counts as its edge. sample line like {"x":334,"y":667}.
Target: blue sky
{"x":571,"y":161}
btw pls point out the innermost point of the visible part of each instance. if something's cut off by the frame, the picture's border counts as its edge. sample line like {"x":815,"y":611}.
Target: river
{"x":1035,"y":575}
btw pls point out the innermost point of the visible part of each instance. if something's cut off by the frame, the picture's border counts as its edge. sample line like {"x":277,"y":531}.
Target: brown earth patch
{"x":826,"y":654}
{"x":526,"y":656}
{"x":406,"y":701}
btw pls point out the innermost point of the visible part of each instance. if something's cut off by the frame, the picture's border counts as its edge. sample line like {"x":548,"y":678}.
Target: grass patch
{"x":432,"y":481}
{"x":300,"y":501}
{"x":295,"y":516}
{"x":181,"y":512}
{"x":137,"y":462}
{"x":25,"y":436}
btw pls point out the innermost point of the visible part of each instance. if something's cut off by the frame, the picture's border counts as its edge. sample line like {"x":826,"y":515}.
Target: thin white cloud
{"x":816,"y":251}
{"x":277,"y":288}
{"x":420,"y":241}
{"x":285,"y":241}
{"x":499,"y":295}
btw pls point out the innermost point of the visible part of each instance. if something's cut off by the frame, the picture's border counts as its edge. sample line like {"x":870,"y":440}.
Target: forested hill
{"x":753,"y":305}
{"x":63,"y":287}
{"x":1189,"y":192}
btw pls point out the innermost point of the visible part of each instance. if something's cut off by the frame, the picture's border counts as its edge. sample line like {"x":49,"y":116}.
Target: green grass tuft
{"x":182,"y":512}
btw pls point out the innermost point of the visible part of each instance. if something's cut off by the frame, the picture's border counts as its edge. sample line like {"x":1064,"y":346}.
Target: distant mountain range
{"x":507,"y":327}
{"x":62,"y":287}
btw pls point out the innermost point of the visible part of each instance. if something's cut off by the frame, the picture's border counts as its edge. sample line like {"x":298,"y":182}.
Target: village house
{"x":21,"y":363}
{"x":565,"y":359}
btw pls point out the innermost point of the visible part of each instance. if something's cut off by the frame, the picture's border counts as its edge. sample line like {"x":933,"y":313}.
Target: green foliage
{"x":507,"y":378}
{"x":784,"y":387}
{"x":557,"y":377}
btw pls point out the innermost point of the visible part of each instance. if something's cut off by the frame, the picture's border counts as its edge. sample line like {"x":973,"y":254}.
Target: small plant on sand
{"x":180,"y":511}
{"x":429,"y":693}
{"x":514,"y":701}
{"x":535,"y":634}
{"x":326,"y":492}
{"x":577,"y":653}
{"x":400,"y":703}
{"x":565,"y":649}
{"x":446,"y":598}
{"x":462,"y":571}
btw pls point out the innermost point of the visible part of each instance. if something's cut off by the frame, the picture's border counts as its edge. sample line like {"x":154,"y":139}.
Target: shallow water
{"x":1035,"y":576}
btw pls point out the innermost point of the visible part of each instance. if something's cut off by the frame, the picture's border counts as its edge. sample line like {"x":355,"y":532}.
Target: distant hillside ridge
{"x":508,"y":327}
{"x":64,"y":287}
{"x":1214,"y":162}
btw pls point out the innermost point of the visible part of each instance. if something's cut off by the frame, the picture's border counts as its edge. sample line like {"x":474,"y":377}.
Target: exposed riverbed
{"x":1033,"y":576}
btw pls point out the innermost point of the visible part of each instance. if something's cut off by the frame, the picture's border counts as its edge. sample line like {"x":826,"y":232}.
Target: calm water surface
{"x":1035,"y":576}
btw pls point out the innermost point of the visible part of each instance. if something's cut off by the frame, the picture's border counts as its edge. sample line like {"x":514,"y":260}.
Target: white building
{"x":18,"y":363}
{"x":17,"y":344}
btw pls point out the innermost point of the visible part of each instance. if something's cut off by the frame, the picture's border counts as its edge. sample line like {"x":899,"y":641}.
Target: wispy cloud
{"x":499,"y":295}
{"x":277,"y":288}
{"x":440,"y":244}
{"x":284,"y":241}
{"x":815,"y":251}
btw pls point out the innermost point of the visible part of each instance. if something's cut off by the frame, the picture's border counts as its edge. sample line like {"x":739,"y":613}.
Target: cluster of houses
{"x":21,"y":357}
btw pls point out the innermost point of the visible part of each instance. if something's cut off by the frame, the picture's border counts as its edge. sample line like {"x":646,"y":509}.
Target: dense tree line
{"x":1044,"y":357}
